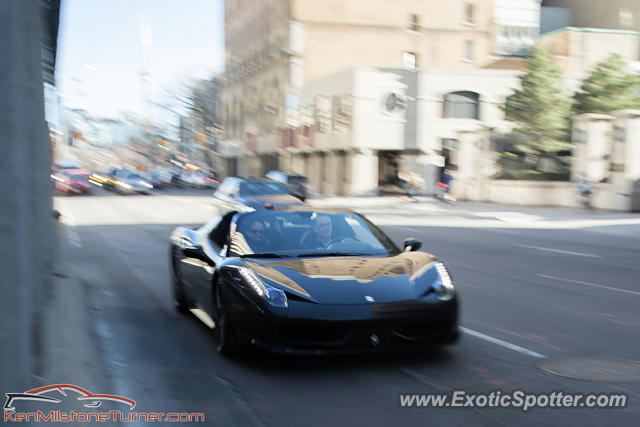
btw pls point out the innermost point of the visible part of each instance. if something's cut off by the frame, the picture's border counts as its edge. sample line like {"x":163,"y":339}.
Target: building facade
{"x":388,"y":122}
{"x":610,"y":14}
{"x":328,"y":87}
{"x":274,"y":49}
{"x":577,"y":51}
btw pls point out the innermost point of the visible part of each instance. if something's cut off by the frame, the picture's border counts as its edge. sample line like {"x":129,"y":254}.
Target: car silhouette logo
{"x":93,"y":400}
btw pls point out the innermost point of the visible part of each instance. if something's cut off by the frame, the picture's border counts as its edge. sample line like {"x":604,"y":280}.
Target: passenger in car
{"x":256,"y":236}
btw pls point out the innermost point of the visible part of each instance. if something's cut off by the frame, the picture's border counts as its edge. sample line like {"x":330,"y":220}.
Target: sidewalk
{"x":68,"y":350}
{"x":488,"y":213}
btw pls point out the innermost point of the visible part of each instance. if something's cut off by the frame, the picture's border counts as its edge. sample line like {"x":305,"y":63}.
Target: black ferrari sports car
{"x":299,"y":279}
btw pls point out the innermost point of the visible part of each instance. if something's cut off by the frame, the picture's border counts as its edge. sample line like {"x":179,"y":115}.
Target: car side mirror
{"x":191,"y":249}
{"x":412,"y":245}
{"x":298,"y":196}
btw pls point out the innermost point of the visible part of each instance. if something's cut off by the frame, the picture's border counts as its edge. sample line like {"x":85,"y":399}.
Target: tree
{"x":540,"y":107}
{"x":610,"y":87}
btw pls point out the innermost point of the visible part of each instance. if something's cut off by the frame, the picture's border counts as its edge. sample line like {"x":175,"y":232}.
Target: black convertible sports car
{"x":299,"y":279}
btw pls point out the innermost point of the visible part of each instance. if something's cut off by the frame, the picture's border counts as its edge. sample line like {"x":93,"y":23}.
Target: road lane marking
{"x":409,"y":229}
{"x":501,"y":343}
{"x":595,"y":285}
{"x":559,"y":251}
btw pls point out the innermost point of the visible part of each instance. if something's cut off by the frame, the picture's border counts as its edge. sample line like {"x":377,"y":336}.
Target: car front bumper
{"x":343,"y":329}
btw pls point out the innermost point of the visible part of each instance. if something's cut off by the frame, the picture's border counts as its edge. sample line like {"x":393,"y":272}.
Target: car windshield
{"x":77,"y":177}
{"x":298,"y":179}
{"x":257,"y":188}
{"x":307,"y":234}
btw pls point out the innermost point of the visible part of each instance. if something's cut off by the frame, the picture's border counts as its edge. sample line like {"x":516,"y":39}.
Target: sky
{"x":100,"y":54}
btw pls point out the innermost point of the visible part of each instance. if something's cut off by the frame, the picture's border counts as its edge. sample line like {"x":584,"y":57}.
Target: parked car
{"x":204,"y":180}
{"x":184,"y":179}
{"x":72,"y":181}
{"x":127,"y":182}
{"x":109,"y":179}
{"x":159,"y":179}
{"x":296,"y":184}
{"x":253,"y":193}
{"x":255,"y":279}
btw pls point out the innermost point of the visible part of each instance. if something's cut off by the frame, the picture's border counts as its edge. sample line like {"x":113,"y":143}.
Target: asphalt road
{"x":542,"y":310}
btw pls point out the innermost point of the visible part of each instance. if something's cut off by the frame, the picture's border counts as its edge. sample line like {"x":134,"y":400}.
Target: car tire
{"x":180,"y":302}
{"x":226,"y":340}
{"x":450,"y":338}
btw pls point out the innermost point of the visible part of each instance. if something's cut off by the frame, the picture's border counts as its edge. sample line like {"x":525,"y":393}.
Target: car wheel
{"x":227,"y":344}
{"x":179,"y":298}
{"x":450,"y":338}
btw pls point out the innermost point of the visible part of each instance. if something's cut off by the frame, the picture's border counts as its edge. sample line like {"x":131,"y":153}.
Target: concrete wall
{"x":475,"y":164}
{"x":364,"y":173}
{"x":26,"y":223}
{"x":373,"y":126}
{"x":592,"y":147}
{"x":625,"y":158}
{"x":542,"y":193}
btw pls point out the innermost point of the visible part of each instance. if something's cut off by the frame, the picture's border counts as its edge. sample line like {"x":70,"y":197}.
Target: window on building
{"x":626,"y":17}
{"x":414,"y":22}
{"x":469,"y":13}
{"x":468,"y":50}
{"x":461,"y":105}
{"x":409,"y":60}
{"x":579,"y":135}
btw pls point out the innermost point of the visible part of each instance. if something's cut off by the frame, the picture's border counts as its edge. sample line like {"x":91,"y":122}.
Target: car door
{"x":201,"y":259}
{"x":195,"y":263}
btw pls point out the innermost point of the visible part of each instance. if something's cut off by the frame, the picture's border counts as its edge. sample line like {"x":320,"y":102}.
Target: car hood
{"x":350,"y":280}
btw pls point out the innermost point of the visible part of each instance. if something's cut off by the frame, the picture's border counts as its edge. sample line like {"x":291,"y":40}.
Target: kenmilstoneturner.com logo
{"x":57,"y":393}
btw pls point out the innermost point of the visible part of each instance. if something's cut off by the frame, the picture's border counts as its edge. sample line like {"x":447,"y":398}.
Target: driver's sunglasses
{"x":257,"y":230}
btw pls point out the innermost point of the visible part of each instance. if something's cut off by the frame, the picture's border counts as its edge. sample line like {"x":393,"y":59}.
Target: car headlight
{"x":273,"y":296}
{"x":443,"y":285}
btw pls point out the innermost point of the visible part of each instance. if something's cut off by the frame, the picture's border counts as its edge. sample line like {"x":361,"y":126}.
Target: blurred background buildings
{"x":364,"y":98}
{"x":359,"y":96}
{"x":344,"y":86}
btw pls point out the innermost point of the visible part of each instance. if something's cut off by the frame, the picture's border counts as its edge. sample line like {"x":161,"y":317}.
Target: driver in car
{"x":321,"y":234}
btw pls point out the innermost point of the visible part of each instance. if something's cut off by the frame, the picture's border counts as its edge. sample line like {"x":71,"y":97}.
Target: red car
{"x":72,"y":181}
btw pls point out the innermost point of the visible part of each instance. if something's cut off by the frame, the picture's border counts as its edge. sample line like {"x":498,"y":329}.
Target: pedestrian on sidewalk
{"x":586,"y":191}
{"x":445,"y":185}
